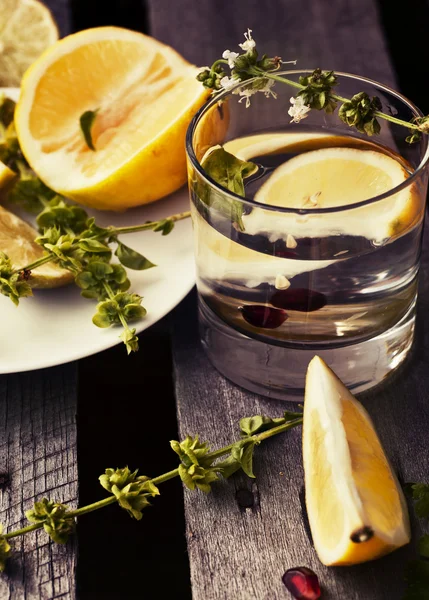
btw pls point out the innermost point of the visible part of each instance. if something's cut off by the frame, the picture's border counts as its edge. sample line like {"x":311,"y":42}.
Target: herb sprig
{"x":417,"y":572}
{"x":73,"y":240}
{"x":198,"y":469}
{"x":315,"y":90}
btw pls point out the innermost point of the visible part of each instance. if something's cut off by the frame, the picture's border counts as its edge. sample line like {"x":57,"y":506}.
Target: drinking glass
{"x":278,"y":285}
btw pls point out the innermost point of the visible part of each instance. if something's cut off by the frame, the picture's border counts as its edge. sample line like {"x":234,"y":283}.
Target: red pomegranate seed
{"x":302,"y":583}
{"x":263,"y":316}
{"x":300,"y":299}
{"x":285,"y":253}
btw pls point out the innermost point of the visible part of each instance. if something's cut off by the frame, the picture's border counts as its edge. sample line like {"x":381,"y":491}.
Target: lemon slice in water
{"x":336,"y":178}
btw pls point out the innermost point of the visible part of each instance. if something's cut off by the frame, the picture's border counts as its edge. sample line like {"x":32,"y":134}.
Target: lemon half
{"x":145,"y":95}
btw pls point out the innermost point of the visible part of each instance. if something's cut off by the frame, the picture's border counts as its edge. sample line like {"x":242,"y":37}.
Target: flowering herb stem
{"x":37,"y":263}
{"x":264,"y":428}
{"x":260,"y":73}
{"x":315,"y":91}
{"x":150,"y":225}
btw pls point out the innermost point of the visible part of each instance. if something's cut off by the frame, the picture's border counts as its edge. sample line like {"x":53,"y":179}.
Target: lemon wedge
{"x":336,"y":178}
{"x":17,"y":241}
{"x":356,"y":508}
{"x":144,"y":95}
{"x":27,"y":28}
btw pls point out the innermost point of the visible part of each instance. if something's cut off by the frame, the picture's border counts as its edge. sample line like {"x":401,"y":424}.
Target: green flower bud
{"x":203,"y":75}
{"x":4,"y":550}
{"x":57,"y":524}
{"x":359,"y":112}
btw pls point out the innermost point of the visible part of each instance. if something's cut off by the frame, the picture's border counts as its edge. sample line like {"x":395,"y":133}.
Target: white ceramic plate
{"x":54,"y":326}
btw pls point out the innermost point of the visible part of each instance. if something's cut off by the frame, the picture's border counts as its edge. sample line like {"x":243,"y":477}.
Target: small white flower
{"x":291,"y":241}
{"x":227,"y":82}
{"x":231,"y":57}
{"x":250,"y":43}
{"x":298,"y":110}
{"x":245,"y":94}
{"x":267,"y":89}
{"x":282,"y":282}
{"x":314,"y":198}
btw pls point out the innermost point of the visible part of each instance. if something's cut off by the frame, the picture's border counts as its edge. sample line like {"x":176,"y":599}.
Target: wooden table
{"x":59,"y":431}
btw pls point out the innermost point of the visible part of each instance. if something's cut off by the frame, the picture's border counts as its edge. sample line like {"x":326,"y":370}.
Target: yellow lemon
{"x":17,"y":241}
{"x":355,"y":505}
{"x":27,"y":28}
{"x":143,"y":94}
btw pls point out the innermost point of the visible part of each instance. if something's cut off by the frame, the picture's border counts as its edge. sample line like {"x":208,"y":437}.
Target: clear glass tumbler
{"x":282,"y":280}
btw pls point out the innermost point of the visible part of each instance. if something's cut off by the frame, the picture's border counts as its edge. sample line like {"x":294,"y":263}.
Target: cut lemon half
{"x":17,"y":241}
{"x":356,"y":508}
{"x":27,"y":28}
{"x":144,"y":95}
{"x":336,"y":178}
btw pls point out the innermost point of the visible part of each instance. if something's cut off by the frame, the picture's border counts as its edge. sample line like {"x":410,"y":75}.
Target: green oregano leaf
{"x":100,"y":320}
{"x":243,"y":453}
{"x":420,"y":494}
{"x":258,"y":423}
{"x":186,"y":477}
{"x":4,"y":550}
{"x":229,"y":171}
{"x":228,"y":467}
{"x":132,"y":259}
{"x":247,"y":460}
{"x":289,"y":415}
{"x":94,"y":246}
{"x":166,"y":226}
{"x":86,"y":121}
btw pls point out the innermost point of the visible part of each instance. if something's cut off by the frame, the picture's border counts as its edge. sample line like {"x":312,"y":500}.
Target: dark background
{"x":126,"y":411}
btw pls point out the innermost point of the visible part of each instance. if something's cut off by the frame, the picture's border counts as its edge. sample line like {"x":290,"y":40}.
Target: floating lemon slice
{"x":219,"y":257}
{"x":355,"y":505}
{"x":145,"y":95}
{"x":27,"y":28}
{"x":17,"y":241}
{"x":336,"y":177}
{"x":248,"y":147}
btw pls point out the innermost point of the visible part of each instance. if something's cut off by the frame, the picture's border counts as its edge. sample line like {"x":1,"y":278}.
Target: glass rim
{"x":300,"y":211}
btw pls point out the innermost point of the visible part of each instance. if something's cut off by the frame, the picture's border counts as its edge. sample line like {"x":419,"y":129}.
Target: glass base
{"x":279,"y":372}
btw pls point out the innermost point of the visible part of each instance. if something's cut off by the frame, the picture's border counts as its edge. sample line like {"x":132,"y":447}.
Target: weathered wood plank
{"x":37,"y":459}
{"x":246,"y":534}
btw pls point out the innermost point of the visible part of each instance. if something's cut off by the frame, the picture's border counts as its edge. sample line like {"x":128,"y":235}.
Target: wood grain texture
{"x":38,"y":459}
{"x":244,"y":536}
